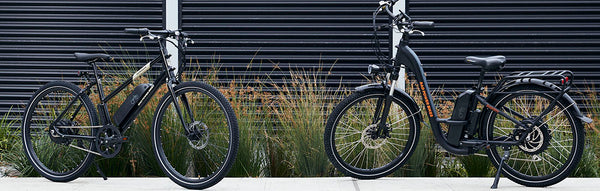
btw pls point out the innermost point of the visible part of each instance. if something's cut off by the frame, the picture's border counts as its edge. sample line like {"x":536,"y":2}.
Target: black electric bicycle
{"x":530,"y":127}
{"x":194,"y":131}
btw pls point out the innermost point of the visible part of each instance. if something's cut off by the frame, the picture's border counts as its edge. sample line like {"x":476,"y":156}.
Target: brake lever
{"x":385,"y":3}
{"x":149,"y":36}
{"x":418,"y":31}
{"x":190,"y":41}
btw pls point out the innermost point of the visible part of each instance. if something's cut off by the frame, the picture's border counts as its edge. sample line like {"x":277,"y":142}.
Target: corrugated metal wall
{"x":38,"y":38}
{"x":278,"y":35}
{"x":532,"y":34}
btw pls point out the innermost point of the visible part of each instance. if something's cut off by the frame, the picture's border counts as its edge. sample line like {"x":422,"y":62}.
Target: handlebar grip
{"x":423,"y":24}
{"x":140,"y":31}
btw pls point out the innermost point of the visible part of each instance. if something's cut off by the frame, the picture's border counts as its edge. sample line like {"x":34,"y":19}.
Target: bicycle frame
{"x":166,"y":76}
{"x":406,"y":56}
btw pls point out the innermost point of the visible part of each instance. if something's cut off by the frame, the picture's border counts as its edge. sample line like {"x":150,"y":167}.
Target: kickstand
{"x":100,"y":171}
{"x":506,"y":154}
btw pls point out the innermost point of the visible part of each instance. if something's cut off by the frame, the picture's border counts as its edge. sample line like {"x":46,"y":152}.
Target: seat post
{"x":480,"y":81}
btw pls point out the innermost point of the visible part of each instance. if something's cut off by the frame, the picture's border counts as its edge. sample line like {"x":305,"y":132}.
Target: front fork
{"x":383,"y":108}
{"x":170,"y":84}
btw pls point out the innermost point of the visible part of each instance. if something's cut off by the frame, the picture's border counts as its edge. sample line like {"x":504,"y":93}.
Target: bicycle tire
{"x":167,"y":161}
{"x":536,"y":176}
{"x":384,"y":168}
{"x":49,"y":161}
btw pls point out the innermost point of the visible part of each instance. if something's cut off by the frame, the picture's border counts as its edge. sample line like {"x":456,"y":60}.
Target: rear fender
{"x":550,"y":86}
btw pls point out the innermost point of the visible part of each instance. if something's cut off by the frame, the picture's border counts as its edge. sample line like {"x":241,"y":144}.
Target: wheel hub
{"x":537,"y":140}
{"x":55,"y":137}
{"x":199,"y":135}
{"x":367,"y":137}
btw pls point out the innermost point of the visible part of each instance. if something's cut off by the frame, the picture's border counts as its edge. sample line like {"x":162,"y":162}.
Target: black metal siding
{"x":38,"y":38}
{"x":532,"y":34}
{"x":280,"y":35}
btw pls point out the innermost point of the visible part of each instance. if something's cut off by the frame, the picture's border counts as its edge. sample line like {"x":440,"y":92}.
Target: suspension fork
{"x":382,"y":129}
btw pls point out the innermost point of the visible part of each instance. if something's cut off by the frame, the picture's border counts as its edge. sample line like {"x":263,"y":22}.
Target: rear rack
{"x":561,"y":78}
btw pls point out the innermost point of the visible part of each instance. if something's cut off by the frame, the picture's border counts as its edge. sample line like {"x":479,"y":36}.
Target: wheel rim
{"x":549,"y":148}
{"x":202,"y":157}
{"x":53,"y":156}
{"x":353,"y":144}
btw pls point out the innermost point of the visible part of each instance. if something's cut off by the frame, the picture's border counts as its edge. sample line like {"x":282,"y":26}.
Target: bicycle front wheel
{"x":201,"y":155}
{"x":349,"y":141}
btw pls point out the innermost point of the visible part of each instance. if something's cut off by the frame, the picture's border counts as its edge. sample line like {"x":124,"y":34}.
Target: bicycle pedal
{"x":124,"y":139}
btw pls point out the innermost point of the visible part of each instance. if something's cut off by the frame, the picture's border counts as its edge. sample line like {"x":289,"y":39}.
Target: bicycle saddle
{"x":492,"y":63}
{"x":91,"y":57}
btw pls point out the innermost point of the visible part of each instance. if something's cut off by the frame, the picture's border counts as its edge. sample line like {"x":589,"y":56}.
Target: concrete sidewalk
{"x":300,"y":184}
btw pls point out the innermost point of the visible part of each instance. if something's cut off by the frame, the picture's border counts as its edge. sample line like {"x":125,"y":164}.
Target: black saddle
{"x":488,"y":64}
{"x":91,"y":57}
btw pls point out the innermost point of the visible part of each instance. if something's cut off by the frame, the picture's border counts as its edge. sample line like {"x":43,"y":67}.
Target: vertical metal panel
{"x":277,"y":36}
{"x":532,"y":34}
{"x":38,"y":38}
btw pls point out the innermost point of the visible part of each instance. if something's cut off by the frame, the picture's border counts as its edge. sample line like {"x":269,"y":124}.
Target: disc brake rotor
{"x":367,"y":140}
{"x":198,"y":139}
{"x":537,"y":140}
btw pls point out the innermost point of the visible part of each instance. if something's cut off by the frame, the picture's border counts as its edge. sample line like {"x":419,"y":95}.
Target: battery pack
{"x":131,"y":103}
{"x":460,"y":112}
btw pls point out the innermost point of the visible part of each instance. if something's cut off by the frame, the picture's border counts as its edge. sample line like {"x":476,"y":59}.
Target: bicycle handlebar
{"x":423,"y":24}
{"x":140,"y":31}
{"x":387,"y":6}
{"x":158,"y":34}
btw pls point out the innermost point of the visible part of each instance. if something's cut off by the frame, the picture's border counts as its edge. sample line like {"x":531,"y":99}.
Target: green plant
{"x":590,"y":165}
{"x":252,"y":113}
{"x":301,"y":111}
{"x":7,"y":135}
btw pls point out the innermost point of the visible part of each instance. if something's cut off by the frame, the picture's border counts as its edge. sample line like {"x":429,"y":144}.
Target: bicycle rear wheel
{"x":52,"y":156}
{"x":550,"y":152}
{"x":350,"y":146}
{"x":201,"y":156}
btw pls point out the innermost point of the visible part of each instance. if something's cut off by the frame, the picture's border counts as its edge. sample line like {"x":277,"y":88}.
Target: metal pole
{"x":172,"y":23}
{"x":396,"y":36}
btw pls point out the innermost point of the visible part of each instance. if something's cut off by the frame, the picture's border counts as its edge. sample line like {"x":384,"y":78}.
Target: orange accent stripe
{"x":492,"y":108}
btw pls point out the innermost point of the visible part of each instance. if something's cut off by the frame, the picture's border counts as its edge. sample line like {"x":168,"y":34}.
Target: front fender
{"x":550,"y":86}
{"x":398,"y":93}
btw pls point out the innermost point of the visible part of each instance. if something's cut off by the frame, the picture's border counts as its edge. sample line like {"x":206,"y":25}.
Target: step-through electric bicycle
{"x":531,"y":129}
{"x":194,"y":130}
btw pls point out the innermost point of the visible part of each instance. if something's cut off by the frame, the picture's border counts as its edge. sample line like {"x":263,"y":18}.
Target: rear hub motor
{"x":537,"y":140}
{"x":55,"y":137}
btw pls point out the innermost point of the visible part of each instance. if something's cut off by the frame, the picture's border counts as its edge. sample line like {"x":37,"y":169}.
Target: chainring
{"x":108,"y":141}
